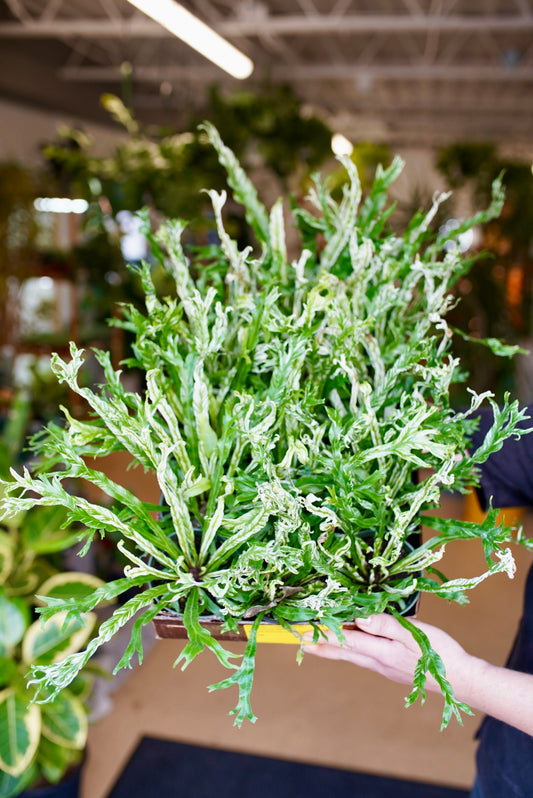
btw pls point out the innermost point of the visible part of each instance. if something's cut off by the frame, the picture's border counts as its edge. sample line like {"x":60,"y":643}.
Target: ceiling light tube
{"x":198,"y":35}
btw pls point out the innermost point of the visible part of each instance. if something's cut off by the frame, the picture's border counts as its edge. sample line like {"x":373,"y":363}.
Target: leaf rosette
{"x":288,"y":405}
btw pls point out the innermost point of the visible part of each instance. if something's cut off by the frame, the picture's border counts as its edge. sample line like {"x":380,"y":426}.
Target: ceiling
{"x":409,"y":72}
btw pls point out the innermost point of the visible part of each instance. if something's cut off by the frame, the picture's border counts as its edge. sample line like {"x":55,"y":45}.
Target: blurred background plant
{"x":39,"y":744}
{"x":496,"y":299}
{"x":270,"y":131}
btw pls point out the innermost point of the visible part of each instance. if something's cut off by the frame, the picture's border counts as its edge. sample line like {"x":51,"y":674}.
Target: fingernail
{"x":363,"y":621}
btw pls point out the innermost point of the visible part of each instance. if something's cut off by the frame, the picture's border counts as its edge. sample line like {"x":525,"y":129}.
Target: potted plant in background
{"x":41,"y":746}
{"x":496,"y":296}
{"x":288,"y":405}
{"x":269,"y":130}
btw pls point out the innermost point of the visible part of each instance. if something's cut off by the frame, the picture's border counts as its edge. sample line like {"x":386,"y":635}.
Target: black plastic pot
{"x":68,"y":788}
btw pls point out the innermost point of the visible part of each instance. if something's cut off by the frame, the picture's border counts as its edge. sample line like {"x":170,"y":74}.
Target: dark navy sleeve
{"x":505,"y":754}
{"x":507,"y":475}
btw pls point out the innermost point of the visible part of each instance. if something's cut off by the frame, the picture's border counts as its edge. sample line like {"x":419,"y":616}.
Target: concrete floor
{"x":321,"y":712}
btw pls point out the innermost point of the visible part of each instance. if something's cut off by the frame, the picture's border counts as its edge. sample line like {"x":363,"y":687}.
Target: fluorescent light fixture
{"x":341,"y":145}
{"x":198,"y":35}
{"x":60,"y":205}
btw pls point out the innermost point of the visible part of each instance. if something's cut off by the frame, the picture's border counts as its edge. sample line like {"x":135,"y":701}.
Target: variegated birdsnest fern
{"x":287,"y":406}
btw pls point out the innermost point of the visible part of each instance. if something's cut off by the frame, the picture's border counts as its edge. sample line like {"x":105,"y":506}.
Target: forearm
{"x":383,"y":645}
{"x":502,"y":693}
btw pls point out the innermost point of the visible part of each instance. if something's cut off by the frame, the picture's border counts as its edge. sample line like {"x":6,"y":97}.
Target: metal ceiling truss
{"x":459,"y":58}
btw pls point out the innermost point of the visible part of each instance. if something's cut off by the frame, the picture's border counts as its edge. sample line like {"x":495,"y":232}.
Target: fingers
{"x":325,"y":650}
{"x":379,"y":638}
{"x":383,"y":645}
{"x":354,"y":645}
{"x":387,"y":626}
{"x":384,"y":625}
{"x":390,"y":658}
{"x":376,"y":625}
{"x":356,"y":642}
{"x":336,"y":652}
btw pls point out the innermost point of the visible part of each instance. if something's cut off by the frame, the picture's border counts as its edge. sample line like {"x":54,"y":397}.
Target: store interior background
{"x":417,"y":78}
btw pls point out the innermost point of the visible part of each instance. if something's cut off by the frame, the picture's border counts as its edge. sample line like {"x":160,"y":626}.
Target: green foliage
{"x":271,"y":123}
{"x":367,"y":158}
{"x":496,"y":296}
{"x":468,"y":161}
{"x":167,"y":169}
{"x":431,"y":663}
{"x":36,"y":741}
{"x":19,"y":186}
{"x":288,"y":406}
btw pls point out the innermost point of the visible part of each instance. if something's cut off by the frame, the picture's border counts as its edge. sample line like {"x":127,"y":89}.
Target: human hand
{"x":383,"y":645}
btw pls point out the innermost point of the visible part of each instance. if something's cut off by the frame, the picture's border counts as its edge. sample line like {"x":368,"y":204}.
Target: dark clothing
{"x":476,"y":791}
{"x":507,"y":475}
{"x":505,"y":754}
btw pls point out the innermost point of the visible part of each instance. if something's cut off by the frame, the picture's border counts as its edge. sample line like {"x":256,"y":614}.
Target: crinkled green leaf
{"x":243,"y":677}
{"x":430,"y":662}
{"x":285,"y":411}
{"x":199,"y":637}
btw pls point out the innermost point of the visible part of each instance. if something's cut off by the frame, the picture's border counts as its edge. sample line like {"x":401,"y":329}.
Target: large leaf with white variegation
{"x":20,"y":730}
{"x":11,"y":786}
{"x":13,"y":623}
{"x":55,"y":760}
{"x":64,"y":721}
{"x":52,"y":640}
{"x":6,"y":557}
{"x":44,"y":532}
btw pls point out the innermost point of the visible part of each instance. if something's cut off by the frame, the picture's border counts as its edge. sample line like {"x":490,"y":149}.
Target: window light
{"x":60,"y":205}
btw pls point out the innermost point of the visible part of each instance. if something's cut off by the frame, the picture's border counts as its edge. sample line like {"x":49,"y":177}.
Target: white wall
{"x":23,"y":130}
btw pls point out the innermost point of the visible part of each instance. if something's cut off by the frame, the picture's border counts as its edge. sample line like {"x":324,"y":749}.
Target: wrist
{"x":468,"y":683}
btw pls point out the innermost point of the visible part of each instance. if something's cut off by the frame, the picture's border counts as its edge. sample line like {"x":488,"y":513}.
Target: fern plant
{"x":288,"y":404}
